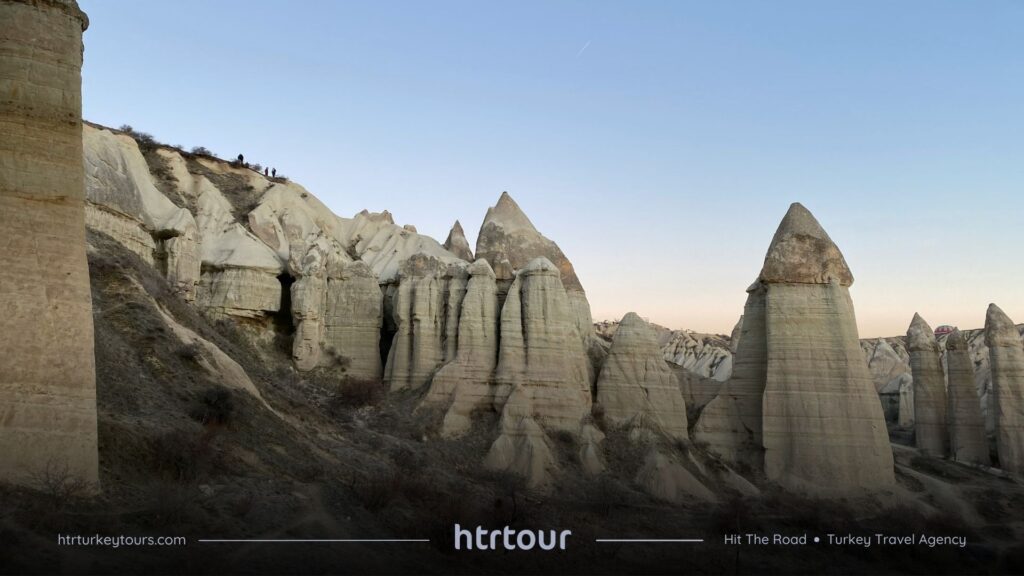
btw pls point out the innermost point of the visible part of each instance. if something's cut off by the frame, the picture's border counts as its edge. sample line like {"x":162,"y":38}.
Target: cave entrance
{"x":284,"y":330}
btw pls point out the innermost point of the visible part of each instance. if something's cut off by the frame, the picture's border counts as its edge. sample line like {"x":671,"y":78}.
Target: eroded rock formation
{"x":506,"y":234}
{"x":457,"y":243}
{"x":541,"y":378}
{"x":731,"y":423}
{"x":818,"y":420}
{"x":1007,"y":359}
{"x":823,"y":424}
{"x":47,"y":367}
{"x":353,"y":319}
{"x":931,"y":433}
{"x":636,"y":383}
{"x":967,"y":442}
{"x":464,"y":385}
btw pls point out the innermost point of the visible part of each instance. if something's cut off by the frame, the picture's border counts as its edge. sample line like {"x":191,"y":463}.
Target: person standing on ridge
{"x":274,"y":172}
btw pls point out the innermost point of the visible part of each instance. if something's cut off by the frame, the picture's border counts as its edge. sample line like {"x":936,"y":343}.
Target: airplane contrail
{"x":578,"y":54}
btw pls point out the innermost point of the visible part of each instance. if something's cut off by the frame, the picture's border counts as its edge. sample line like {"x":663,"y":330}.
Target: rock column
{"x":967,"y":441}
{"x":1006,"y":354}
{"x":930,"y":431}
{"x":47,"y":368}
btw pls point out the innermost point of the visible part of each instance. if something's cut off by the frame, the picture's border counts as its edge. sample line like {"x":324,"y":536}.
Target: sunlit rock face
{"x":967,"y":442}
{"x":464,"y":385}
{"x":1007,"y":360}
{"x":801,"y":389}
{"x":541,"y":380}
{"x":507,"y":238}
{"x":47,"y":367}
{"x":930,"y":432}
{"x":123,"y":202}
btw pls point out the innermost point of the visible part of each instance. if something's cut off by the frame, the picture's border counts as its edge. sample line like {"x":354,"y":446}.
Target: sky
{"x":658,"y":143}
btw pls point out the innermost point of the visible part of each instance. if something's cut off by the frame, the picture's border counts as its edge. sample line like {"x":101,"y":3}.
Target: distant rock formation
{"x":1007,"y":353}
{"x":930,"y":430}
{"x":819,"y":420}
{"x":457,"y":243}
{"x":47,"y":367}
{"x":464,"y":385}
{"x":635,"y":383}
{"x":967,"y":442}
{"x":541,"y":377}
{"x":707,"y":355}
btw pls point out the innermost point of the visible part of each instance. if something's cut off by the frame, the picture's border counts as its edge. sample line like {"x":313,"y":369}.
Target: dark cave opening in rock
{"x":284,"y":330}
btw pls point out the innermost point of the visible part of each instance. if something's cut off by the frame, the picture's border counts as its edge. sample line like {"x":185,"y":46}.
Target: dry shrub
{"x":357,"y":392}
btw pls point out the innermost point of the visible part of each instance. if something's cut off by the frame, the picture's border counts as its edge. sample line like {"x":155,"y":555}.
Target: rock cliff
{"x":47,"y":367}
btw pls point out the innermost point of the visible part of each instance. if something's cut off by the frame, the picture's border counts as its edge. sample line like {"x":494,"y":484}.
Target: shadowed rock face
{"x":818,"y":420}
{"x":635,"y":382}
{"x":967,"y":441}
{"x":507,"y":234}
{"x":801,"y":252}
{"x":731,"y":423}
{"x":1006,"y":352}
{"x":47,"y":368}
{"x":457,"y":243}
{"x":931,"y":432}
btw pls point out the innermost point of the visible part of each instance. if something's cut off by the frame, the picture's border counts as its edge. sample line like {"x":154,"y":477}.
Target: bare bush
{"x":214,"y":407}
{"x":61,"y":485}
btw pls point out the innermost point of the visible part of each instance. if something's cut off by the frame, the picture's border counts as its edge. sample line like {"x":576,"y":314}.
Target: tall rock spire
{"x":457,"y":243}
{"x":1006,"y":355}
{"x":47,"y":369}
{"x":801,"y":389}
{"x":930,"y":431}
{"x":967,"y":441}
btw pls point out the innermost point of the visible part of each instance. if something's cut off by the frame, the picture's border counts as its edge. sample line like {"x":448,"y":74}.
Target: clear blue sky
{"x":659,"y":143}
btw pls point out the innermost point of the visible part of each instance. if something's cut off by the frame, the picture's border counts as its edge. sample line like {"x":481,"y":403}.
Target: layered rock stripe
{"x":47,"y":369}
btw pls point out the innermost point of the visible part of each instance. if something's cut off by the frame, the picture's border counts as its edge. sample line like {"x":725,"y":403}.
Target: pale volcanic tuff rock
{"x":1007,"y":359}
{"x":47,"y":367}
{"x":464,"y":385}
{"x":819,"y":420}
{"x":540,"y":350}
{"x":425,"y":310}
{"x":308,"y":299}
{"x":375,"y":239}
{"x":541,"y":378}
{"x":931,"y":432}
{"x":353,"y":318}
{"x":636,"y":383}
{"x":706,"y":355}
{"x":507,"y":234}
{"x":457,"y":243}
{"x":823,"y":424}
{"x":731,"y":423}
{"x":967,"y":442}
{"x":124,"y":203}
